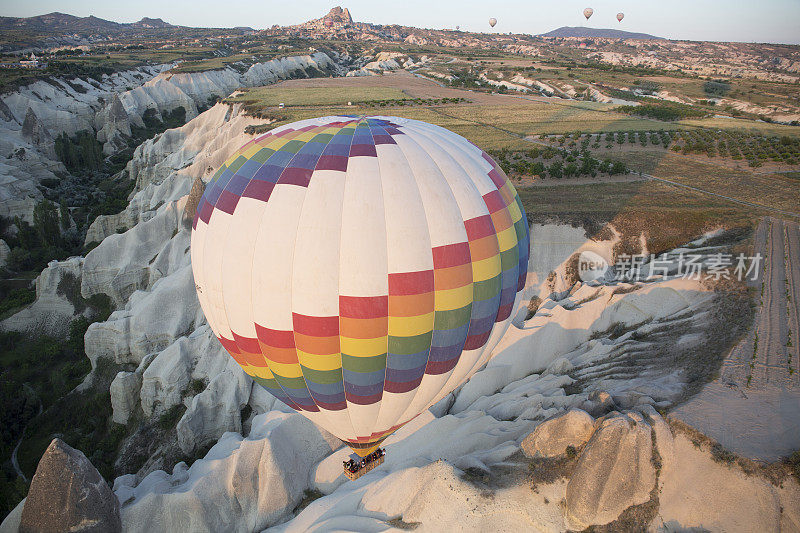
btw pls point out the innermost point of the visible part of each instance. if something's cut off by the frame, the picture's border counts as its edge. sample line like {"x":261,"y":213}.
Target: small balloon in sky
{"x":492,"y":22}
{"x":588,"y":12}
{"x":620,"y":16}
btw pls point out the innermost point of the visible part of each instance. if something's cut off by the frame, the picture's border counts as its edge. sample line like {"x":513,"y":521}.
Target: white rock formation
{"x":552,"y":437}
{"x":124,"y":391}
{"x":57,"y":301}
{"x":32,"y":116}
{"x":614,"y":472}
{"x":242,"y":484}
{"x":165,"y":167}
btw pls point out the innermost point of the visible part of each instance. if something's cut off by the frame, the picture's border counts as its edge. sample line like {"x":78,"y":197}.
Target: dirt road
{"x":754,"y":407}
{"x":769,"y":356}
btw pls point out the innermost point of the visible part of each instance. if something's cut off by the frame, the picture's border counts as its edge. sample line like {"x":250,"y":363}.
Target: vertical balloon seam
{"x":226,"y":243}
{"x":208,"y":254}
{"x":449,"y":186}
{"x":386,"y":238}
{"x":291,"y":285}
{"x":344,"y":384}
{"x":291,"y":403}
{"x":266,"y":361}
{"x":278,"y":377}
{"x":339,"y":293}
{"x":479,"y":162}
{"x":402,"y":413}
{"x":484,"y":359}
{"x":426,"y":135}
{"x":427,"y":132}
{"x":453,"y":145}
{"x":303,"y":370}
{"x":226,"y":255}
{"x":408,"y":139}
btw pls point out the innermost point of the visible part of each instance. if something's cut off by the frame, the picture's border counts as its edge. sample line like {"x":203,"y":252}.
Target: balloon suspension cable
{"x":356,"y":466}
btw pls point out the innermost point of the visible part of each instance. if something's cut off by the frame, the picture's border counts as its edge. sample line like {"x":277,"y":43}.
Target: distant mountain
{"x":61,"y":22}
{"x":597,"y":33}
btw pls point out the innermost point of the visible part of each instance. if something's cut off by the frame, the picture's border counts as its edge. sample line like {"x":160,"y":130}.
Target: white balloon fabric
{"x":359,"y":268}
{"x":492,"y":22}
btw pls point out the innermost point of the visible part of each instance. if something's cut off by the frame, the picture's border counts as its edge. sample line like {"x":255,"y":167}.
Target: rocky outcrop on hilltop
{"x":67,"y":493}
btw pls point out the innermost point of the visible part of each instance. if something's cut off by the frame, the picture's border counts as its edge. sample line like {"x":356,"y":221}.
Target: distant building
{"x":33,"y":62}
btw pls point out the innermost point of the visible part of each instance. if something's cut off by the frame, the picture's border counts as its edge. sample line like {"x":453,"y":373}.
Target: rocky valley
{"x":585,"y":415}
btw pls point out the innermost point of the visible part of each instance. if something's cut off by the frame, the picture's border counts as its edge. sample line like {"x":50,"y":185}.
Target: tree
{"x":555,"y":170}
{"x":46,"y":223}
{"x":64,"y":215}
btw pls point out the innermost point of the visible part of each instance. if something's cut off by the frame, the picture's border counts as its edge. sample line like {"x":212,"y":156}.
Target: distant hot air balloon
{"x":458,"y":28}
{"x":359,"y":268}
{"x":620,"y":16}
{"x":328,"y":23}
{"x":588,"y":12}
{"x":492,"y":22}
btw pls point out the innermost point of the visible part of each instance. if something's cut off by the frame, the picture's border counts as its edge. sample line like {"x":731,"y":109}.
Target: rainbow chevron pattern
{"x":359,"y":268}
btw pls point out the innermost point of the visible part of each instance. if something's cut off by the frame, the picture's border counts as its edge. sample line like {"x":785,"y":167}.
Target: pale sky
{"x":776,"y":21}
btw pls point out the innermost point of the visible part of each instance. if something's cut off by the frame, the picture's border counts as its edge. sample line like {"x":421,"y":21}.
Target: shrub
{"x":170,"y":417}
{"x":17,"y":298}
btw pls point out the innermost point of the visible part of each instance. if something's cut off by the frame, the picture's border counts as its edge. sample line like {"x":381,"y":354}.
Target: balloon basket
{"x":358,"y":466}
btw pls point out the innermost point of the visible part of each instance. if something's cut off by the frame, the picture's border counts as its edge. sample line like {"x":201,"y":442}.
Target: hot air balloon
{"x":620,"y":16}
{"x":359,"y":268}
{"x":588,"y":12}
{"x":328,"y":23}
{"x":492,"y":22}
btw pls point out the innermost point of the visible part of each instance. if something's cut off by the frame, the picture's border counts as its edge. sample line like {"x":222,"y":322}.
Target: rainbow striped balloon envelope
{"x":359,"y":268}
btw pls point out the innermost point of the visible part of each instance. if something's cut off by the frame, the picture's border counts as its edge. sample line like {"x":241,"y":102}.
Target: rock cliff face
{"x":194,"y":90}
{"x":32,"y":116}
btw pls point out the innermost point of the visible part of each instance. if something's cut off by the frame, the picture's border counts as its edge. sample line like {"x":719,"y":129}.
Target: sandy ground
{"x":754,"y":407}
